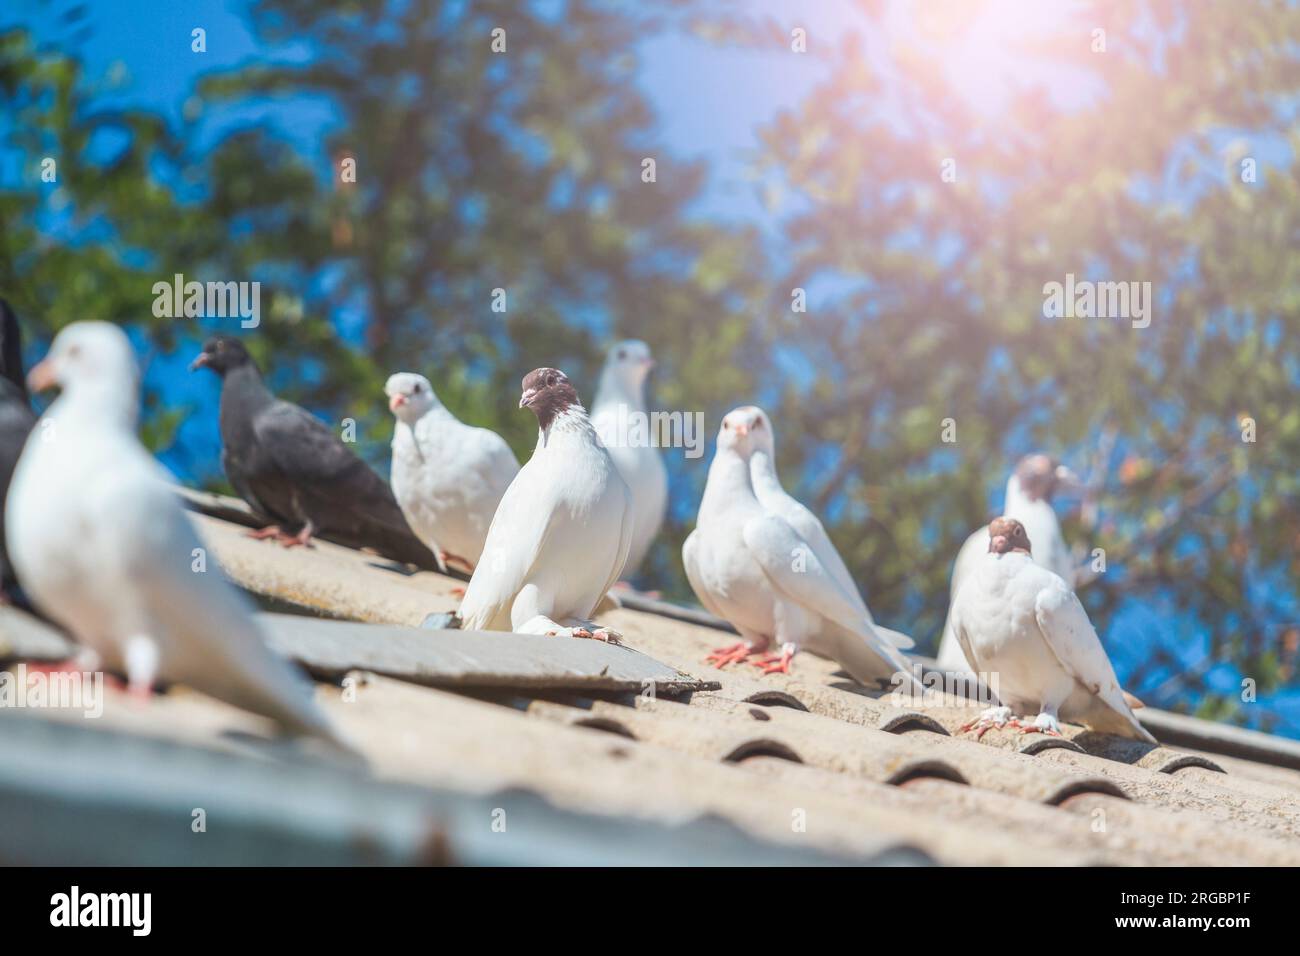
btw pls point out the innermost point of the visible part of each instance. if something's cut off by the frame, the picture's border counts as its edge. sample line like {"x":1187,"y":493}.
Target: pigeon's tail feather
{"x":273,"y":688}
{"x":896,"y":638}
{"x":1111,"y":715}
{"x":872,"y":660}
{"x":378,"y":523}
{"x":608,"y":602}
{"x":401,"y":544}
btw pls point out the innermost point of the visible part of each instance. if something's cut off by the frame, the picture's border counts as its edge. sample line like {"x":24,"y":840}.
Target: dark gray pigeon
{"x":291,"y":468}
{"x":16,"y":422}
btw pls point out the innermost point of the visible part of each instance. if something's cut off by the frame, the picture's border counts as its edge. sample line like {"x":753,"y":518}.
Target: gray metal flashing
{"x":475,"y":659}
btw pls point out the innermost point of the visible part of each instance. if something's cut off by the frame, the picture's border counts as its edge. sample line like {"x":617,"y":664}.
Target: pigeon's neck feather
{"x":729,"y":483}
{"x":99,"y":406}
{"x":435,"y":427}
{"x":1036,"y":514}
{"x":615,"y":389}
{"x":762,"y":471}
{"x":566,"y":427}
{"x":245,"y":382}
{"x":243,"y":393}
{"x":1020,"y":500}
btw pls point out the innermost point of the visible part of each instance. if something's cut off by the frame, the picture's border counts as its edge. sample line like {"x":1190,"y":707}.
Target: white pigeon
{"x":560,"y":536}
{"x":753,"y":422}
{"x":104,"y":548}
{"x":621,"y":419}
{"x":1023,"y":625}
{"x":753,"y":568}
{"x":447,"y":477}
{"x":1028,"y":500}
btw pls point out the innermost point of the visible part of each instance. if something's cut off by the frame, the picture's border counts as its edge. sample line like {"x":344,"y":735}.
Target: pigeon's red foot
{"x":775,"y":663}
{"x":736,"y":653}
{"x":300,"y":540}
{"x":1032,"y":729}
{"x":599,"y":634}
{"x":446,"y":557}
{"x":1042,"y":724}
{"x":458,"y":590}
{"x":993,"y":717}
{"x":270,"y":531}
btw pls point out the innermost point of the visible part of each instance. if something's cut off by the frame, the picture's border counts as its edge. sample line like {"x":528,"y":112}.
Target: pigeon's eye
{"x":550,"y":381}
{"x":417,"y":388}
{"x":74,"y":351}
{"x":622,"y":354}
{"x":758,"y":423}
{"x":726,"y":425}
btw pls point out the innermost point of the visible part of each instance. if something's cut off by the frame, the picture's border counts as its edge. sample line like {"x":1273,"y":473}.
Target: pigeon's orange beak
{"x":998,"y":544}
{"x":526,"y":399}
{"x":742,"y":429}
{"x":396,"y":402}
{"x":42,"y":376}
{"x":200,"y":361}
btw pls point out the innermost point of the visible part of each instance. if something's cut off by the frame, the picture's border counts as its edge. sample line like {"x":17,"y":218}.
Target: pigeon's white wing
{"x":694,"y":574}
{"x":809,"y":527}
{"x":950,"y":656}
{"x":1070,"y":635}
{"x":516,"y":537}
{"x":795,"y":571}
{"x":497,"y":463}
{"x":955,"y":631}
{"x":206,"y":634}
{"x":625,"y":535}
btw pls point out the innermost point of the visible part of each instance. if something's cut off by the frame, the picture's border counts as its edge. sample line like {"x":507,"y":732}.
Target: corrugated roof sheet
{"x":612,"y":751}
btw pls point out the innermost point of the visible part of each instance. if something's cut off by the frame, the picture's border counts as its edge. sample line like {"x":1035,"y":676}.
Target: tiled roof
{"x":590,"y":753}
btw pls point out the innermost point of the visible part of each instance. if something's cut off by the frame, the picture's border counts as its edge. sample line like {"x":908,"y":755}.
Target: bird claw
{"x":594,"y":633}
{"x":446,"y":558}
{"x":300,"y":540}
{"x":774,"y":663}
{"x":1042,"y":724}
{"x":988,"y":719}
{"x":736,"y":653}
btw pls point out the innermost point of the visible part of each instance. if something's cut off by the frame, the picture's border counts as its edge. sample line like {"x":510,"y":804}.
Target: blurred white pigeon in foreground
{"x":560,"y":536}
{"x":104,"y":548}
{"x":1029,"y":501}
{"x":621,"y":419}
{"x":754,"y":568}
{"x":1021,"y":623}
{"x":448,"y":477}
{"x":775,"y":500}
